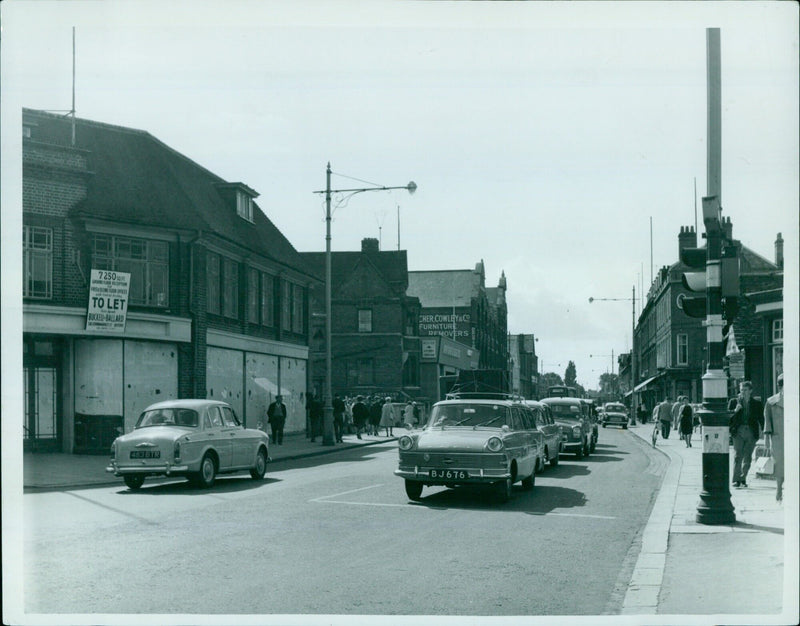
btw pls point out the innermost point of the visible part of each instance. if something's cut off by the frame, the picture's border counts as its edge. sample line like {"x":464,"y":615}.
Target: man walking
{"x":746,"y":425}
{"x":663,"y":416}
{"x":360,"y":415}
{"x":338,"y":417}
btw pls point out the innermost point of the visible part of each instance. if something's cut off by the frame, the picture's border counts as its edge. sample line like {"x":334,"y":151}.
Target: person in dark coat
{"x":746,"y":426}
{"x":686,"y":422}
{"x":276,"y":417}
{"x":360,"y":415}
{"x":315,"y":412}
{"x":375,"y":410}
{"x":338,"y":417}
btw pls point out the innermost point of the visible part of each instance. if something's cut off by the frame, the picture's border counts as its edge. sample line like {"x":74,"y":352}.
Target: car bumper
{"x":615,"y":422}
{"x":568,"y":446}
{"x":476,"y":476}
{"x":165,"y":468}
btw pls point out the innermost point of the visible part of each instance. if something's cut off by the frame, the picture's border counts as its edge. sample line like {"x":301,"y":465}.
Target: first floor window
{"x":37,"y":264}
{"x":230,"y":300}
{"x":365,"y":320}
{"x":252,"y":295}
{"x":212,"y":283}
{"x":147,"y":262}
{"x":298,"y":309}
{"x":683,"y":349}
{"x":777,"y":330}
{"x":366,"y":372}
{"x":286,"y":305}
{"x":267,"y":300}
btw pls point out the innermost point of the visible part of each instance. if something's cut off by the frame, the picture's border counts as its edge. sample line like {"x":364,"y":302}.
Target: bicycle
{"x":654,"y":436}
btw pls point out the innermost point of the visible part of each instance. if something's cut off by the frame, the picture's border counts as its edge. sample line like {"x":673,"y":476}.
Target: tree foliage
{"x":610,"y":386}
{"x":570,"y":375}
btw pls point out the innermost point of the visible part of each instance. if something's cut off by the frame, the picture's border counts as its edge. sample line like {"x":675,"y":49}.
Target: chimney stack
{"x":779,"y":251}
{"x":687,"y":238}
{"x":727,"y":228}
{"x":370,"y":244}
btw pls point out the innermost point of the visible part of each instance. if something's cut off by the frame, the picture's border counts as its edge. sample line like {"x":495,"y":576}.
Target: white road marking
{"x":344,"y":493}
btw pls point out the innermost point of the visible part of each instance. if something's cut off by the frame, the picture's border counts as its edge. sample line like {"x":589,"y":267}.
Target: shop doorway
{"x":41,"y":380}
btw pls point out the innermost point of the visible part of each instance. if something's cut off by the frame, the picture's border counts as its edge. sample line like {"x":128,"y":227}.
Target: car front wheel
{"x":413,"y":489}
{"x":207,"y":473}
{"x":133,"y":481}
{"x":529,"y":482}
{"x":260,"y":468}
{"x":503,"y":490}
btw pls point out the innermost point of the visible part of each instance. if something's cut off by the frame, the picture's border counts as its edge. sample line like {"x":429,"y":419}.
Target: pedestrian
{"x":348,"y":416}
{"x":675,"y":412}
{"x":375,"y":410}
{"x":315,"y":413}
{"x":416,"y":413}
{"x":685,"y":423}
{"x":408,"y":415}
{"x":696,"y":422}
{"x":387,"y":417}
{"x":642,"y":414}
{"x":360,"y":415}
{"x":276,"y":417}
{"x":773,"y":427}
{"x":746,"y":425}
{"x":338,"y":418}
{"x":662,"y":415}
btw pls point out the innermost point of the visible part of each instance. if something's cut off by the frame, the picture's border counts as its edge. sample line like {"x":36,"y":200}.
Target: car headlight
{"x":406,"y":442}
{"x":494,"y":444}
{"x":576,"y":431}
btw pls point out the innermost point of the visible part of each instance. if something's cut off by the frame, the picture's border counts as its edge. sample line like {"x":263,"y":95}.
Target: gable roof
{"x":392,"y":265}
{"x":444,"y":288}
{"x":136,"y":179}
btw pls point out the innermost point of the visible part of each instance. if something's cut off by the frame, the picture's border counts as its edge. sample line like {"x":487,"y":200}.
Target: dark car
{"x":616,"y":414}
{"x":576,"y":427}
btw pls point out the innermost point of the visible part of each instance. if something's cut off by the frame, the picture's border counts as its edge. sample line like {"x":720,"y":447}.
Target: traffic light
{"x":694,"y":306}
{"x":729,"y":278}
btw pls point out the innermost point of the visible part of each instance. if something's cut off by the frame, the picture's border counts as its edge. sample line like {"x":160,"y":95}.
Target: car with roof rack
{"x":472,"y":439}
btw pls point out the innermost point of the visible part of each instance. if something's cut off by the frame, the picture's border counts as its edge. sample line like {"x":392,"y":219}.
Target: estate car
{"x":194,"y":438}
{"x":472,"y":441}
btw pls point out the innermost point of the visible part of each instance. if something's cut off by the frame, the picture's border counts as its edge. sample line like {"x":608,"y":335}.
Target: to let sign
{"x":108,"y":301}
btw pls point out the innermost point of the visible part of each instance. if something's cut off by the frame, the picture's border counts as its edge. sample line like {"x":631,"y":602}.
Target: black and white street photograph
{"x":332,"y":312}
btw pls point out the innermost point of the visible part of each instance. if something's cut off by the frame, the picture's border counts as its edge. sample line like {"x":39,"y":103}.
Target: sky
{"x":545,"y":138}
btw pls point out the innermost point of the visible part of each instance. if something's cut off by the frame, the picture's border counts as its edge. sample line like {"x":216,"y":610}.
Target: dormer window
{"x":244,"y":205}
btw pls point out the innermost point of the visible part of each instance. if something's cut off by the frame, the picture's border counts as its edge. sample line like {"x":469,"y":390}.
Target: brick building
{"x":524,"y":365}
{"x":216,"y":301}
{"x":375,"y":346}
{"x":671,"y":346}
{"x":457,"y":304}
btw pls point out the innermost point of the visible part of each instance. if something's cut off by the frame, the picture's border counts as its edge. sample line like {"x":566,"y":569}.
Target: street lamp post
{"x":327,"y":419}
{"x":633,"y":347}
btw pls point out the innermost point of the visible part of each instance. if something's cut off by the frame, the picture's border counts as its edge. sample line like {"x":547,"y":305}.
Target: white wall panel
{"x":293,"y":387}
{"x":151,"y":375}
{"x":261,"y":387}
{"x":98,"y":376}
{"x":224,"y":377}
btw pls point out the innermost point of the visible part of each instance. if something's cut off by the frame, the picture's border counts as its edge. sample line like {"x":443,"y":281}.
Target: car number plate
{"x":145,"y":454}
{"x":449,"y":474}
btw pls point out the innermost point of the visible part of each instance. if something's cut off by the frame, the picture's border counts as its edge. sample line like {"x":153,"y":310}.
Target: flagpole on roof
{"x":73,"y":86}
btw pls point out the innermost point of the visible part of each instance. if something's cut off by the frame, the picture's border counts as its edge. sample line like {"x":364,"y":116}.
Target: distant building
{"x":458,"y":305}
{"x":216,"y":305}
{"x":671,"y":347}
{"x":375,"y":347}
{"x":523,"y":365}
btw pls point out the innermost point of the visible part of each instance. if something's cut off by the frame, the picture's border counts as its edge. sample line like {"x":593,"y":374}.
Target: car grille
{"x":456,"y":460}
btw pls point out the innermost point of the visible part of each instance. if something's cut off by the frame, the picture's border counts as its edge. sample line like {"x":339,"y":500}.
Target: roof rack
{"x":484,"y":395}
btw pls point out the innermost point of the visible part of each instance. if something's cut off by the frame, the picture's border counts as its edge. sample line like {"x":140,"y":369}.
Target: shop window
{"x":146,"y":261}
{"x":37,"y":251}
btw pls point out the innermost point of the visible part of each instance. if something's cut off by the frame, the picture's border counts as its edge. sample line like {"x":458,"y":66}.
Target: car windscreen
{"x":168,"y":417}
{"x":615,"y":408}
{"x":566,"y":411}
{"x":469,"y":415}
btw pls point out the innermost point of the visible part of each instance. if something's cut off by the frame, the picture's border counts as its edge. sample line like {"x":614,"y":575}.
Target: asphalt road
{"x":337,"y":535}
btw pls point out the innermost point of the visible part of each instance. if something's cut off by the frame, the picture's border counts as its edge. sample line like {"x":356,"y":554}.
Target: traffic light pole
{"x":715,"y":499}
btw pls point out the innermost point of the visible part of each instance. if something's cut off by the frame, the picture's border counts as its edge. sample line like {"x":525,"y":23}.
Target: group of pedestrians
{"x":749,"y":420}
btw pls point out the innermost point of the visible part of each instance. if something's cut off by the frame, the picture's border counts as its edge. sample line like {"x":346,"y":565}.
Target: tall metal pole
{"x":327,"y":415}
{"x":632,"y":418}
{"x":715,"y":499}
{"x":73,"y":86}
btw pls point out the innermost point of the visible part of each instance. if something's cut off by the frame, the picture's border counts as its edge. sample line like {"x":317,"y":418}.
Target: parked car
{"x":551,"y":432}
{"x":576,"y":429}
{"x":194,"y":438}
{"x":472,"y":441}
{"x":591,"y":413}
{"x":615,"y":413}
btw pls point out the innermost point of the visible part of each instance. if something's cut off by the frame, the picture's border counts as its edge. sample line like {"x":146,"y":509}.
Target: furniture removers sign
{"x":108,"y":301}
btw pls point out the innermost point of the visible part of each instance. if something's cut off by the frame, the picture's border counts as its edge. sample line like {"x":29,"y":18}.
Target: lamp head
{"x":591,"y":300}
{"x":412,"y":187}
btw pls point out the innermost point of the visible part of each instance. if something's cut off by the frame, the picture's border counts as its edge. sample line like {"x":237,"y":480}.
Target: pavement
{"x":683,"y":568}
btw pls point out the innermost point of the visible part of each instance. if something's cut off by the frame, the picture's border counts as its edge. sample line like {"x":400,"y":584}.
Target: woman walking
{"x":387,"y":417}
{"x":686,"y":422}
{"x":773,"y":428}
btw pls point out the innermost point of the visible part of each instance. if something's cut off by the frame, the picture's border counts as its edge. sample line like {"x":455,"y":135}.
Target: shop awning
{"x":644,"y":384}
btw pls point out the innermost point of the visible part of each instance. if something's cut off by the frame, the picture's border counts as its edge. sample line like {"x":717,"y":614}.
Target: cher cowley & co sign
{"x":108,"y":300}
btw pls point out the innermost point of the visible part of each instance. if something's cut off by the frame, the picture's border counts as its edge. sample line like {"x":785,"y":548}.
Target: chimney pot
{"x":779,"y":251}
{"x":370,"y":244}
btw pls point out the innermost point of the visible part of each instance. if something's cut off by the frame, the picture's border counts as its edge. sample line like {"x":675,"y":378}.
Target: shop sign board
{"x":736,"y":365}
{"x":429,"y":351}
{"x":108,"y":301}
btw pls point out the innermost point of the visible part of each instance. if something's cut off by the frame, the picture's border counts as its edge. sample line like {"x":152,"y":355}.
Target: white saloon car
{"x":194,"y":438}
